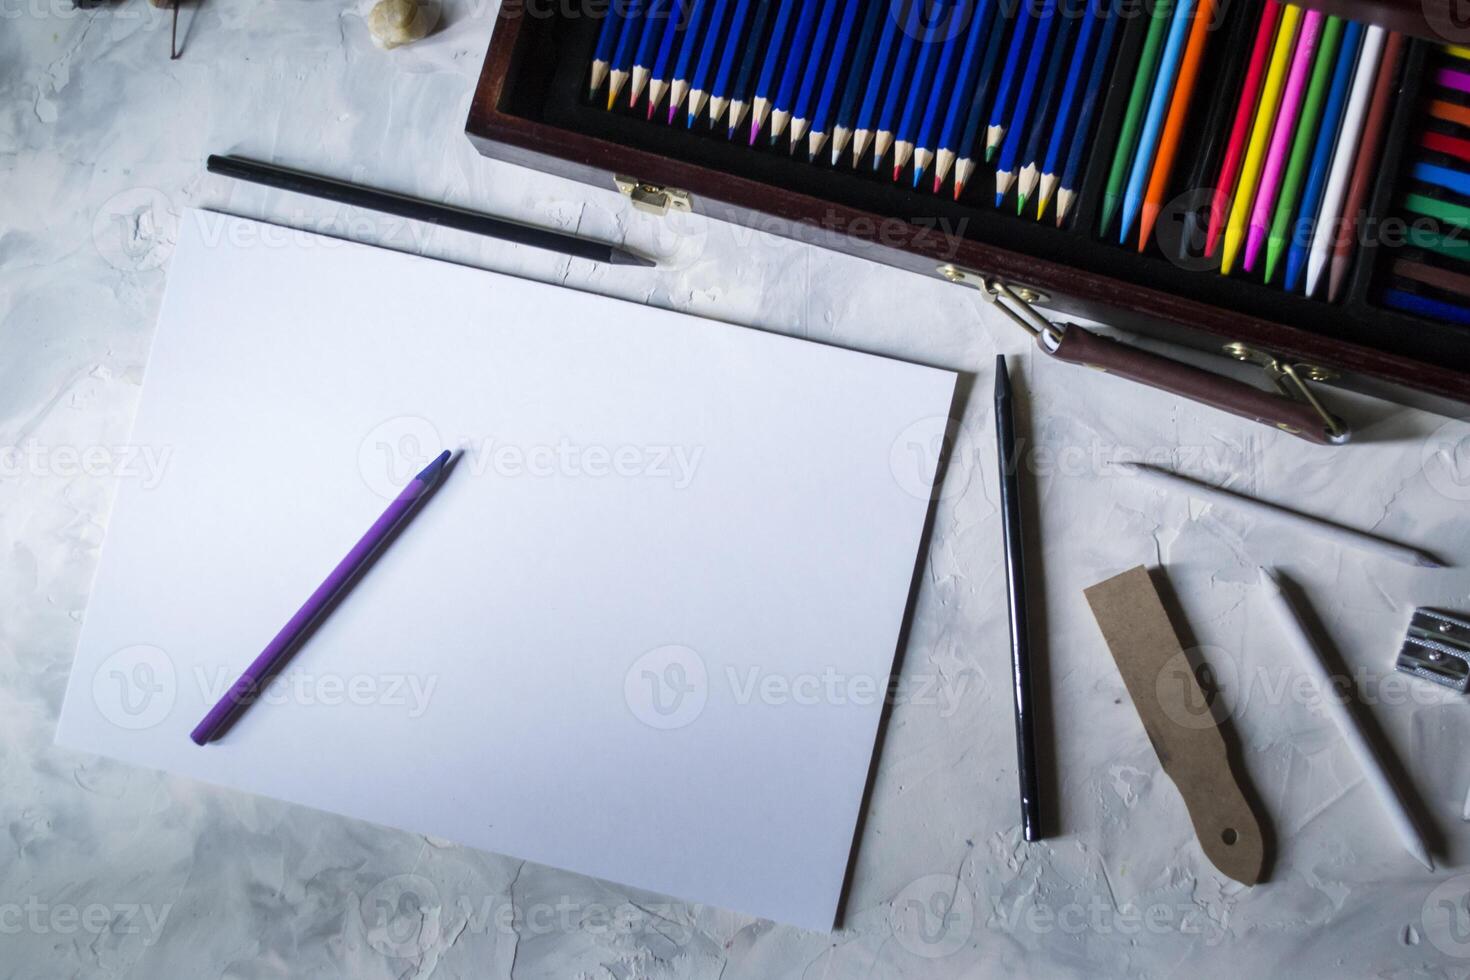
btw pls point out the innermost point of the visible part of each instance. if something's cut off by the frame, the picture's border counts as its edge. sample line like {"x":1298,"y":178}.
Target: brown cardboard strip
{"x":1186,"y":738}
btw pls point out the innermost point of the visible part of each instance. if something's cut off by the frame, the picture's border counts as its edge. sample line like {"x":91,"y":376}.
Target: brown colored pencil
{"x":1432,"y":275}
{"x":1364,"y":166}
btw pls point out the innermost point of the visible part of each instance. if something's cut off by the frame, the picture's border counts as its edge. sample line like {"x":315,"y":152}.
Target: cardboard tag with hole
{"x":1176,"y":716}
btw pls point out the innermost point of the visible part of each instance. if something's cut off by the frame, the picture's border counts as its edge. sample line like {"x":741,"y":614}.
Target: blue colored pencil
{"x":805,"y":109}
{"x":658,"y":82}
{"x":964,"y":82}
{"x":602,"y":55}
{"x":941,"y":93}
{"x":867,"y":117}
{"x":796,"y":59}
{"x":1426,"y":306}
{"x":898,"y":81}
{"x":1005,"y":167}
{"x":1042,"y":116}
{"x":653,"y":29}
{"x":995,"y":131}
{"x":1446,"y":177}
{"x":1067,"y":191}
{"x":1063,"y":120}
{"x":719,"y":91}
{"x":932,"y":45}
{"x":1306,"y":215}
{"x":765,"y":85}
{"x":622,"y":60}
{"x":693,"y":34}
{"x":852,"y":88}
{"x":963,"y":147}
{"x":740,"y":91}
{"x":699,"y":82}
{"x":1153,"y":121}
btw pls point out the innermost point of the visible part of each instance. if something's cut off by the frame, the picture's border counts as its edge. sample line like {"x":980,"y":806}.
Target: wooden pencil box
{"x":531,"y":108}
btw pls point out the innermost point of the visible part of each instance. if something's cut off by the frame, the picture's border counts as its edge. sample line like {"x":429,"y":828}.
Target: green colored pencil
{"x":1432,"y":207}
{"x":1455,"y":247}
{"x":1301,"y":149}
{"x":1143,"y":83}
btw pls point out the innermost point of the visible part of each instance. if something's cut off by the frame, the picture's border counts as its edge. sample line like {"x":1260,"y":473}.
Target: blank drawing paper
{"x":642,"y":632}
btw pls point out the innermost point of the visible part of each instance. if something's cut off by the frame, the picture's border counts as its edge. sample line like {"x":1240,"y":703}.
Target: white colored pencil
{"x":1312,"y":661}
{"x":1324,"y":235}
{"x":1345,"y":536}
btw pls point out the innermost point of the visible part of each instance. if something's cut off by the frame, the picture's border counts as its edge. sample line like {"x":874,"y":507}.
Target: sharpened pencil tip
{"x":1020,"y":203}
{"x":621,"y":256}
{"x":431,"y":472}
{"x":938,"y":185}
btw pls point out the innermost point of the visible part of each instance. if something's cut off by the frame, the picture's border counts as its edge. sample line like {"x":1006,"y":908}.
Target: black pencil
{"x":1230,"y":71}
{"x":1010,"y":508}
{"x":416,"y":209}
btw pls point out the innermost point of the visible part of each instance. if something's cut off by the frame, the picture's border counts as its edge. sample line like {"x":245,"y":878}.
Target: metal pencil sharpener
{"x":1437,"y":649}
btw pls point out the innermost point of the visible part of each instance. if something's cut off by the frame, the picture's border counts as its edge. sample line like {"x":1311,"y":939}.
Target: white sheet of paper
{"x":643,"y":630}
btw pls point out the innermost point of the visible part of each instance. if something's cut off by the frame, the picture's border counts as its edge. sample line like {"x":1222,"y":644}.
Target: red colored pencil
{"x":1364,"y":165}
{"x":1245,"y":113}
{"x":1441,"y":143}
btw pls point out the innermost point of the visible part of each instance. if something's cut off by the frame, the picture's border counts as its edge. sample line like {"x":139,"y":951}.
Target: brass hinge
{"x":989,"y":286}
{"x":652,"y":198}
{"x":1290,"y":379}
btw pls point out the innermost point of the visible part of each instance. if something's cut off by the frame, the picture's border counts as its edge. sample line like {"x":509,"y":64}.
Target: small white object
{"x":1314,"y":664}
{"x":397,"y":22}
{"x":1344,"y":536}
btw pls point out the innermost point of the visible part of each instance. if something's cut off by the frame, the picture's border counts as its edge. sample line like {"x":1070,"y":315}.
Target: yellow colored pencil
{"x":1255,"y":153}
{"x":1458,"y":50}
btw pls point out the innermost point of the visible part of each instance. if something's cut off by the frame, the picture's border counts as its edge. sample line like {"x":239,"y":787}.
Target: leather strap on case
{"x":1081,"y":346}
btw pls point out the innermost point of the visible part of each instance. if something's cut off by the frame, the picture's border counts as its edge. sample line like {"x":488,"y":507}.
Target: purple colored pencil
{"x":245,"y":690}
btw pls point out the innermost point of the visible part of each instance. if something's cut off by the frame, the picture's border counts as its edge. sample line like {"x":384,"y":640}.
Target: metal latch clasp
{"x":1014,"y":301}
{"x":651,"y":198}
{"x":1291,"y":380}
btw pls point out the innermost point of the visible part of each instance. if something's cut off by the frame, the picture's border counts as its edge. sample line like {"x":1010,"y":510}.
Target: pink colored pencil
{"x":1244,"y":113}
{"x":1281,"y":135}
{"x":1457,"y":80}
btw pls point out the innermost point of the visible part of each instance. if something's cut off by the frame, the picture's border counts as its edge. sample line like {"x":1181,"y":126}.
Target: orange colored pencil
{"x":1158,"y":178}
{"x":1450,"y":112}
{"x":1364,"y":166}
{"x":1245,"y":114}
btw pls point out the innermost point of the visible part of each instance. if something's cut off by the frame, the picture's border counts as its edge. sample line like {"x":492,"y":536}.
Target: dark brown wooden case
{"x":530,"y":108}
